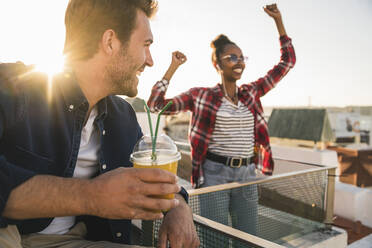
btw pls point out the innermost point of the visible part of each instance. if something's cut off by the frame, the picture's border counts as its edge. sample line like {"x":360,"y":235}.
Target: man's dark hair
{"x":87,"y":20}
{"x":218,"y":45}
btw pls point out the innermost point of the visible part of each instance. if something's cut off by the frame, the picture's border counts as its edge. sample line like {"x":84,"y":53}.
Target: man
{"x":64,"y":145}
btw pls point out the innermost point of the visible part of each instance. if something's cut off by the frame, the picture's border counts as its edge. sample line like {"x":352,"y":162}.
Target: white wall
{"x":306,"y":155}
{"x":353,"y":203}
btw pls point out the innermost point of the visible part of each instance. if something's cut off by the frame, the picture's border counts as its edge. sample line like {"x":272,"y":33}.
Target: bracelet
{"x":184,"y":194}
{"x":164,"y":81}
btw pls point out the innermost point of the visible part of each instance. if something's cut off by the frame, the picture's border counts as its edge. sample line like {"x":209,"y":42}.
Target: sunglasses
{"x":235,"y":59}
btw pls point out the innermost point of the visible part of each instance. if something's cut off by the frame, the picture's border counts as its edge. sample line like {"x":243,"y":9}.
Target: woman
{"x":228,"y":132}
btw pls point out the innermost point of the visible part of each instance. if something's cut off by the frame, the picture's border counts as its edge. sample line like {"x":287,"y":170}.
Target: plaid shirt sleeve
{"x":255,"y":90}
{"x":157,"y":101}
{"x":269,"y":81}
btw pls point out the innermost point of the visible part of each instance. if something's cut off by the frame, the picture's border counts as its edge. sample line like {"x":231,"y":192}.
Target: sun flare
{"x":50,"y":67}
{"x":33,"y":36}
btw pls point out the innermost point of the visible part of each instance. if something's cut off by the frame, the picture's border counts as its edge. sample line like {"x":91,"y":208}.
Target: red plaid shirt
{"x":205,"y":102}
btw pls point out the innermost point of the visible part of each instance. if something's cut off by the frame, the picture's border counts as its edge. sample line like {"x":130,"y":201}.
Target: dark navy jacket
{"x":40,"y":129}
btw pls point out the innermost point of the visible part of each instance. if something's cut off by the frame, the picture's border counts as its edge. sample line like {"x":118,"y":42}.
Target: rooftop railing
{"x":285,"y":207}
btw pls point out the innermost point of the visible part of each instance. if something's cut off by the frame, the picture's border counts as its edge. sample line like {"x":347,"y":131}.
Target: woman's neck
{"x":229,"y":90}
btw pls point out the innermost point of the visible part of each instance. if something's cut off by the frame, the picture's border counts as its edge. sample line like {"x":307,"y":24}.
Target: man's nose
{"x":149,"y":62}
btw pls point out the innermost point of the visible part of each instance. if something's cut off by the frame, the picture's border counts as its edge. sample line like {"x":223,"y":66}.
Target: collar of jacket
{"x":73,"y":95}
{"x":219,"y":91}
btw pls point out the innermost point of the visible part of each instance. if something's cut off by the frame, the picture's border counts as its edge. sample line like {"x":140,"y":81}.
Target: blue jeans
{"x":240,"y":203}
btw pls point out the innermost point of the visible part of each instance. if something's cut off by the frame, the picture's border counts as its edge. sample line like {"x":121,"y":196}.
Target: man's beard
{"x":120,"y":74}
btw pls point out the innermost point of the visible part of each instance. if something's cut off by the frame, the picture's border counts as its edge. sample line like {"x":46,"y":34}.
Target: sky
{"x":332,"y":40}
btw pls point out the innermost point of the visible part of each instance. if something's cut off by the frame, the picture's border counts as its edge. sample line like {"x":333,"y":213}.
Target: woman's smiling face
{"x":232,"y":62}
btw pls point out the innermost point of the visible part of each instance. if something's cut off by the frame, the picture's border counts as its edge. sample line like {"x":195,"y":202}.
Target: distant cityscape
{"x":348,"y":125}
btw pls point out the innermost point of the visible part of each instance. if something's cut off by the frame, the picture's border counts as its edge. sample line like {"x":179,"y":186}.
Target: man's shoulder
{"x":120,"y":101}
{"x":119,"y":104}
{"x":120,"y":113}
{"x":11,"y":70}
{"x":14,"y":79}
{"x":17,"y":77}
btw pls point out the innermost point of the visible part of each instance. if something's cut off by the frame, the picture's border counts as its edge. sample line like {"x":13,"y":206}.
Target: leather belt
{"x":229,"y":161}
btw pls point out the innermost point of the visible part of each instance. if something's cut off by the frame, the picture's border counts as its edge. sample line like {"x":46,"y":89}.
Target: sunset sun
{"x":50,"y":66}
{"x":39,"y":40}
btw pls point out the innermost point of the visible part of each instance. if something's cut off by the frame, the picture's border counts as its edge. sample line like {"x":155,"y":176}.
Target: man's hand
{"x":124,"y":193}
{"x":178,"y":227}
{"x":127,"y":193}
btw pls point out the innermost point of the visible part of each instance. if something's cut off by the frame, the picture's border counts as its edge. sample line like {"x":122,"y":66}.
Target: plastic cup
{"x":167,"y":156}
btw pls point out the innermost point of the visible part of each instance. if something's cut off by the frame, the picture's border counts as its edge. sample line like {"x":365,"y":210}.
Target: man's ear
{"x":108,"y":42}
{"x":217,"y":66}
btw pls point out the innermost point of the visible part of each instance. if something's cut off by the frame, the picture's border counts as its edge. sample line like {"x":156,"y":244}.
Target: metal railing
{"x":287,"y":206}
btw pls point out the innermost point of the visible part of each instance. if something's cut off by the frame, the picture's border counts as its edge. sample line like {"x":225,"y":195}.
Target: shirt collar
{"x":102,"y":108}
{"x":218,"y":89}
{"x":74,"y":96}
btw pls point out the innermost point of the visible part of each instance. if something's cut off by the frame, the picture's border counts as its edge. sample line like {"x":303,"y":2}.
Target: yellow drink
{"x":167,"y":157}
{"x":166,"y":160}
{"x":171,"y":167}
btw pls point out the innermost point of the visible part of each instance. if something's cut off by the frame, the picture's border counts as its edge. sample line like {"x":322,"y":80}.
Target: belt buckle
{"x":232,"y":162}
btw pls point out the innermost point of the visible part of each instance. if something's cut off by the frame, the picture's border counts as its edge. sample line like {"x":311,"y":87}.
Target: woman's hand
{"x":178,"y":58}
{"x":273,"y":11}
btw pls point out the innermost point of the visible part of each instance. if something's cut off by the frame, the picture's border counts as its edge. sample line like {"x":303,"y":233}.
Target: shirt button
{"x":118,"y":235}
{"x":104,"y":166}
{"x":71,"y":107}
{"x":103,"y":132}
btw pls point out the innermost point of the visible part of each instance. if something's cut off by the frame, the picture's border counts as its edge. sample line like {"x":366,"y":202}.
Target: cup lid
{"x":166,"y":150}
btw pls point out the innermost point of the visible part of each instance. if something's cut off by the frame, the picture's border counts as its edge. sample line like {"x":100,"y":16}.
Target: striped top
{"x":233,"y":134}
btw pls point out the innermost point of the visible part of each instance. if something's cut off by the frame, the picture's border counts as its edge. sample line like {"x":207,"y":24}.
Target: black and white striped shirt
{"x":233,"y":134}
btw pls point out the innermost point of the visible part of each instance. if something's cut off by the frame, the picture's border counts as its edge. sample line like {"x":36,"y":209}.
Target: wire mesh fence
{"x":276,"y":209}
{"x":210,"y":236}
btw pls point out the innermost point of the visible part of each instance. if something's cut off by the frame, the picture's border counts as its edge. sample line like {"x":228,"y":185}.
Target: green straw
{"x":157,"y":124}
{"x":149,"y":118}
{"x":153,"y":156}
{"x":153,"y":138}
